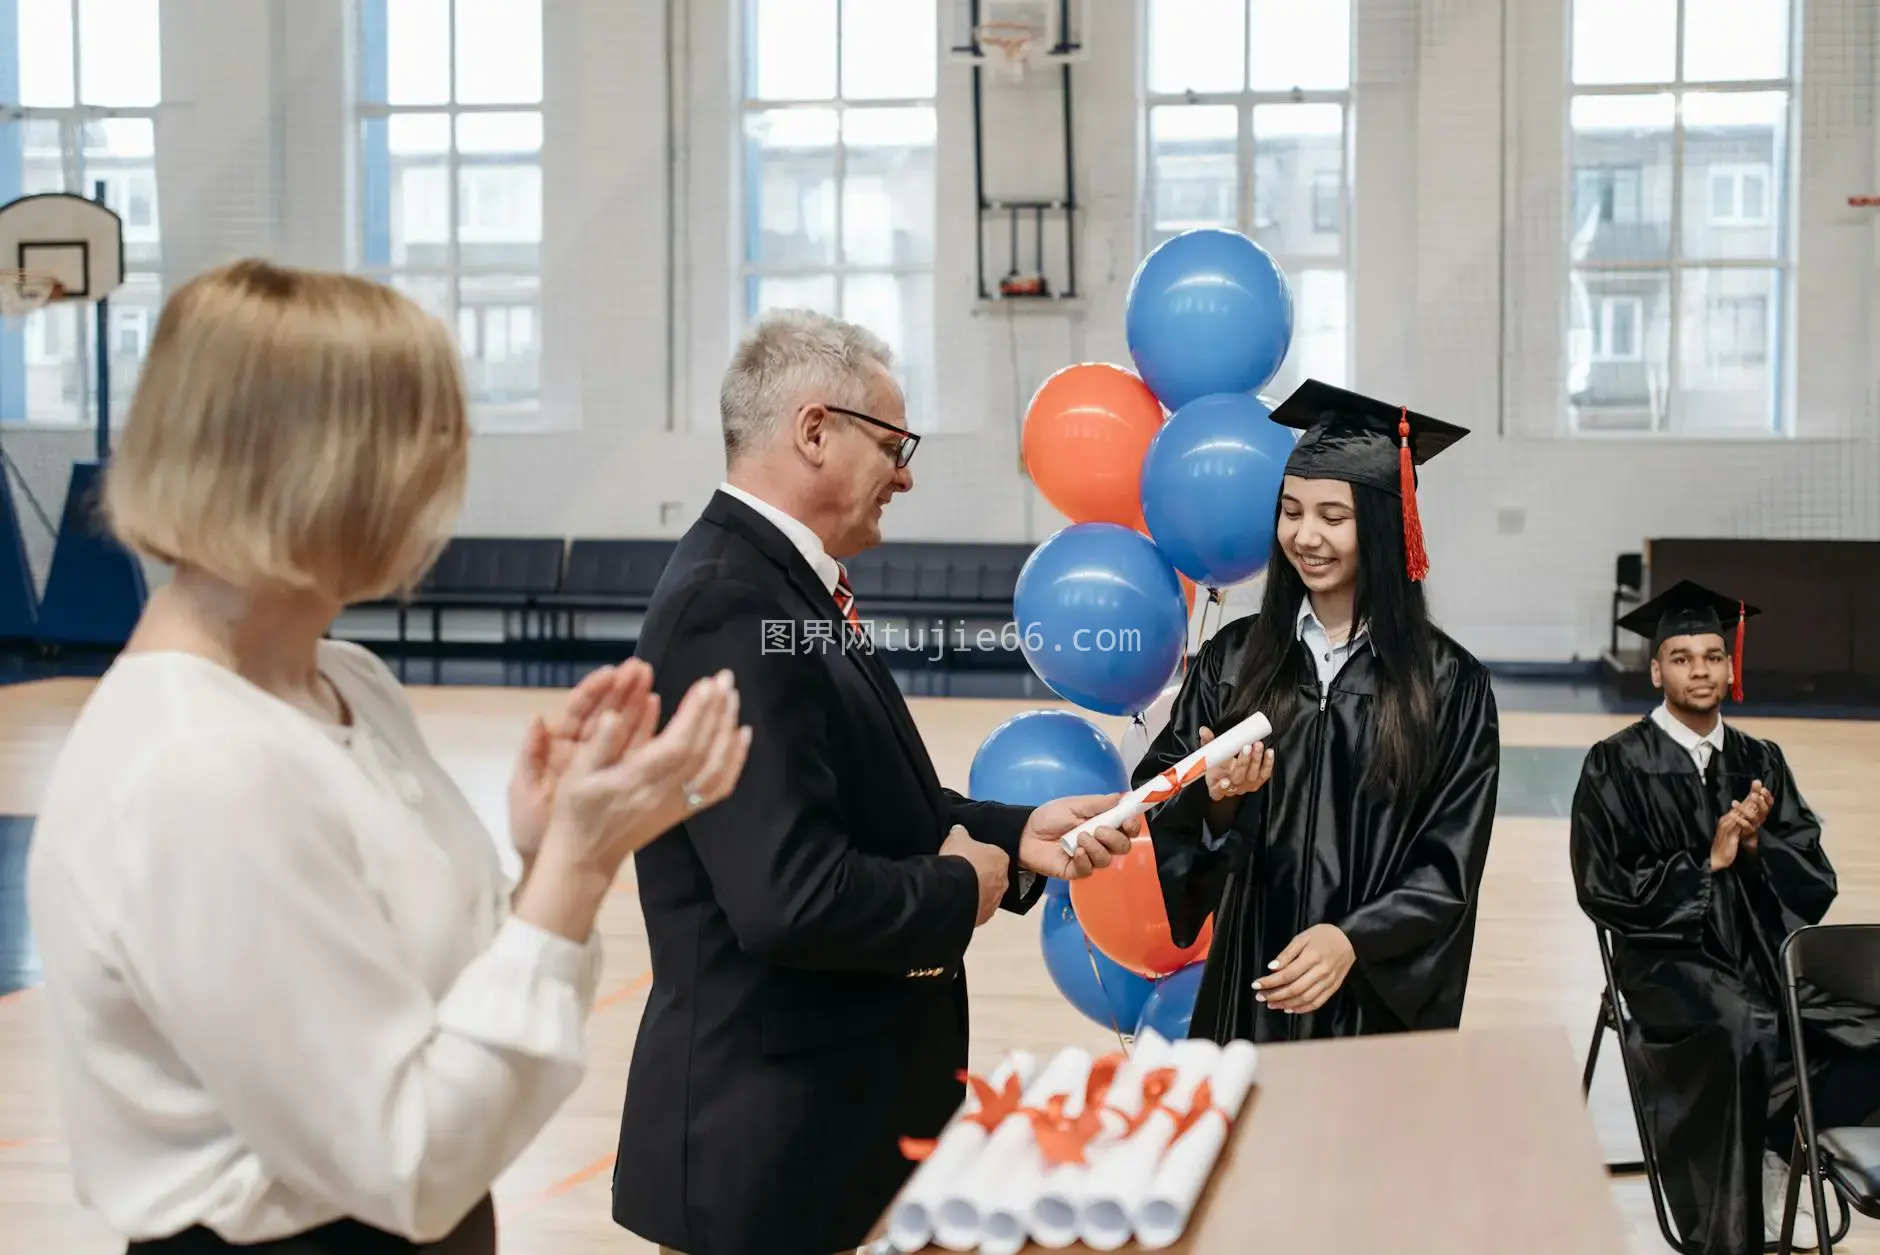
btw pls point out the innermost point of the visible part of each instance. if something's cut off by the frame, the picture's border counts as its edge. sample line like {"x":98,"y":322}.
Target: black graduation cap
{"x":1366,"y":441}
{"x":1690,"y":609}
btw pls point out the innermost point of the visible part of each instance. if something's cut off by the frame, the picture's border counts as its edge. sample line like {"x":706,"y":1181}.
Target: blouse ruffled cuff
{"x":530,"y":992}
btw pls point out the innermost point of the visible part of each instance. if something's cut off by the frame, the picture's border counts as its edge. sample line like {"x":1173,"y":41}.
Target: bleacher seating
{"x":548,"y":584}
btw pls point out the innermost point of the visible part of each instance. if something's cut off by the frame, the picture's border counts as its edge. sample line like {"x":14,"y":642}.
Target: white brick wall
{"x":1458,"y":184}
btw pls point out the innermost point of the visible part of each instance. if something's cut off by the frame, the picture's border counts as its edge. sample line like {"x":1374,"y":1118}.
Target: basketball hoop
{"x":1007,"y":45}
{"x":1864,"y":202}
{"x":23,"y":291}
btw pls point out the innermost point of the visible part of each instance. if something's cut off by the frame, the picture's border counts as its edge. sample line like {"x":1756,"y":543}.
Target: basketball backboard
{"x":75,"y":242}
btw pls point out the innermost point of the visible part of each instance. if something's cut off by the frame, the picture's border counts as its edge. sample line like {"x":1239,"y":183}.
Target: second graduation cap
{"x":1690,"y":609}
{"x":1362,"y":440}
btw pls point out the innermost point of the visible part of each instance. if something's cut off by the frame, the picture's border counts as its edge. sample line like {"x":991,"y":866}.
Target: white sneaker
{"x":1775,"y":1194}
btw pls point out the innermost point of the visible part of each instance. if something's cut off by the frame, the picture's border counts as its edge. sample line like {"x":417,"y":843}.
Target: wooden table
{"x":1420,"y":1144}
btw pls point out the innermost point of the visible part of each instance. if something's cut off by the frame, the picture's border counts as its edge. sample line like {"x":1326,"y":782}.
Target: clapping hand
{"x":549,"y":746}
{"x":1753,"y":811}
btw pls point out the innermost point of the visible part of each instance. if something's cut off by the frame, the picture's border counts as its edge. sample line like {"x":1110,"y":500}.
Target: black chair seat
{"x":895,"y":607}
{"x":474,"y":601}
{"x":1851,"y":1158}
{"x":595,"y":601}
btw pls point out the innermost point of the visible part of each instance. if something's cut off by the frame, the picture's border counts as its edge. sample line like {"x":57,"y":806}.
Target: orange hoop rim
{"x":1010,"y":38}
{"x":23,"y":291}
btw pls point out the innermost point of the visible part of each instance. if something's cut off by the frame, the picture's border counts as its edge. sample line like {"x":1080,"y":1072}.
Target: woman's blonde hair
{"x":294,"y":430}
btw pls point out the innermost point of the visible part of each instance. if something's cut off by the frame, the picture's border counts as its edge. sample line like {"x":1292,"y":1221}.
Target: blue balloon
{"x":1043,"y":754}
{"x":1208,"y":311}
{"x":1171,"y":1004}
{"x":1100,"y":617}
{"x":1111,"y":995}
{"x":1210,"y":487}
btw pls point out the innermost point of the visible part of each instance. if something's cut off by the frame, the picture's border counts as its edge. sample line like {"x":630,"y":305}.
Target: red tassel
{"x":1736,"y":661}
{"x":1416,"y":560}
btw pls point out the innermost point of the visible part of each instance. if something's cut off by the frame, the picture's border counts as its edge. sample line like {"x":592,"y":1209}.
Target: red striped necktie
{"x":845,"y":596}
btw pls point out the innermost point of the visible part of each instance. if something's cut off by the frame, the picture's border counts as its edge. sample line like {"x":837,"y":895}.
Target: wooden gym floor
{"x":1534,"y":961}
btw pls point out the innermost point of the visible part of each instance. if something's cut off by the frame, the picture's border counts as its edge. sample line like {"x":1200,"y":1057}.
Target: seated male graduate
{"x":1693,"y":845}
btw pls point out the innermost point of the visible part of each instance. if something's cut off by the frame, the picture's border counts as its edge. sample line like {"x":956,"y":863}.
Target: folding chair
{"x":1612,"y":1016}
{"x":1843,"y":961}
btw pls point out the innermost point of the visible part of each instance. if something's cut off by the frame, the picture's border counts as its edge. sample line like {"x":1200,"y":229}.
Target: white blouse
{"x":283,"y":984}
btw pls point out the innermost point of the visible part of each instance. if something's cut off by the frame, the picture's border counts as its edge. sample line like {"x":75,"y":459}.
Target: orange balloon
{"x":1086,"y":432}
{"x":1120,"y":908}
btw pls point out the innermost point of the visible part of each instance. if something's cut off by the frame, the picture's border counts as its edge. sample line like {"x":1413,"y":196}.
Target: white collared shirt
{"x":1329,"y":659}
{"x":807,"y":542}
{"x":1701,"y":748}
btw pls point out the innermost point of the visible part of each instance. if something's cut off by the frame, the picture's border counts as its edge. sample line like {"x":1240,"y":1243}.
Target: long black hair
{"x":1395,"y":615}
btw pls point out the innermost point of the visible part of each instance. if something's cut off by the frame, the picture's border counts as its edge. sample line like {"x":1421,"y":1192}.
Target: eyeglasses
{"x":903,"y":451}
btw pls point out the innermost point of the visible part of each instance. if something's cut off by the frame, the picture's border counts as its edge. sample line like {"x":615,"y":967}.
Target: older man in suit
{"x":808,"y":1007}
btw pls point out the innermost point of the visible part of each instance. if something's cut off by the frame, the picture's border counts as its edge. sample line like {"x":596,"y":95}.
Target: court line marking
{"x":550,"y":1193}
{"x":623,"y":993}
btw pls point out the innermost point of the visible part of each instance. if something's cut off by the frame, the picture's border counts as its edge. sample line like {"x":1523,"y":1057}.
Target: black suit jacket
{"x":808,"y":1006}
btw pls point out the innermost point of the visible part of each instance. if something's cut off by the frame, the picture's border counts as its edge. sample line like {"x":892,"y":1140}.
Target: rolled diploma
{"x":1118,"y":1184}
{"x":1165,"y":786}
{"x":960,"y":1218}
{"x":1163,"y":1216}
{"x":1060,"y":1193}
{"x":911,"y":1220}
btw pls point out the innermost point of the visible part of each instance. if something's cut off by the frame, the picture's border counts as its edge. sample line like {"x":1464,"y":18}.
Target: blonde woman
{"x":296,"y":1007}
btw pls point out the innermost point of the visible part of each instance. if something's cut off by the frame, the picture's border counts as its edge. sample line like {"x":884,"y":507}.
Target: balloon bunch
{"x":1170,"y":475}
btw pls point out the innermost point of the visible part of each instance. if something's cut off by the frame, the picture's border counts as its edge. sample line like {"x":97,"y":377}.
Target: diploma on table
{"x":1248,"y":731}
{"x":1103,"y":1151}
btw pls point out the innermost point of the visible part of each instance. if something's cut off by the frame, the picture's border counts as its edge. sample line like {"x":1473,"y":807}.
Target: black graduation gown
{"x":1313,"y":847}
{"x":1696,"y":955}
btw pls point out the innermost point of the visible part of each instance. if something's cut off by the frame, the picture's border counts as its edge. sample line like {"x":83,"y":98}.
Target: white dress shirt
{"x":281,"y":977}
{"x":797,"y":533}
{"x":1328,"y":659}
{"x":1701,"y":748}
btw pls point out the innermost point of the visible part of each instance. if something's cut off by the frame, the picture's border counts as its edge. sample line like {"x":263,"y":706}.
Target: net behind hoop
{"x":1007,"y":47}
{"x":24,"y":291}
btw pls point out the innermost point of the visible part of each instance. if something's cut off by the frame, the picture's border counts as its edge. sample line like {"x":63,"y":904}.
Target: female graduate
{"x":1341,"y":863}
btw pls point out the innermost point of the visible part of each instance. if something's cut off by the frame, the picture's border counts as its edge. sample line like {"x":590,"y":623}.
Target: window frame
{"x":1779,"y":214}
{"x":1245,"y":101}
{"x":18,"y":344}
{"x":923,"y":411}
{"x":371,"y":19}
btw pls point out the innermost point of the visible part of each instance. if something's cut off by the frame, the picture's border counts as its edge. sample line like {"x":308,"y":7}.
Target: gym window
{"x":80,"y":81}
{"x":450,"y":177}
{"x":1679,"y":243}
{"x":836,"y":135}
{"x":1249,"y":128}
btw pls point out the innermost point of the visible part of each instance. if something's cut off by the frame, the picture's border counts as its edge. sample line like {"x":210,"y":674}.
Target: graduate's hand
{"x":1732,"y":831}
{"x":1308,"y":971}
{"x":1246,"y":772}
{"x":1753,"y":810}
{"x":1040,"y":851}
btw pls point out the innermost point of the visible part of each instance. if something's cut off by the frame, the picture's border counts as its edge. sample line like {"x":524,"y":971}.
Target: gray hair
{"x":793,"y":357}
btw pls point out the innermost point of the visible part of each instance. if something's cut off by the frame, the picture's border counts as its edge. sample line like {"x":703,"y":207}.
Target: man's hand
{"x":1041,"y":851}
{"x":1308,"y":971}
{"x":1753,"y":810}
{"x":989,"y":863}
{"x":1727,"y":841}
